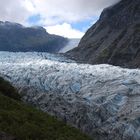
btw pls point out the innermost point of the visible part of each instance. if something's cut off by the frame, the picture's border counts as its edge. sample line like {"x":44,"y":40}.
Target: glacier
{"x":72,"y":43}
{"x":101,"y":100}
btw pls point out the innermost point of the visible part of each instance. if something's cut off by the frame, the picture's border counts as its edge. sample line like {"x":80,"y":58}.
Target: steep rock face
{"x":101,"y":100}
{"x":15,"y":37}
{"x":114,"y":39}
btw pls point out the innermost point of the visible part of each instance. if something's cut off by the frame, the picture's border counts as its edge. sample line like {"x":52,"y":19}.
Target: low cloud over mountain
{"x":52,"y":12}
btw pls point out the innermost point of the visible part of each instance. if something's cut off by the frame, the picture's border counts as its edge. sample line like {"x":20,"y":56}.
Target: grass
{"x":8,"y":90}
{"x":27,"y":123}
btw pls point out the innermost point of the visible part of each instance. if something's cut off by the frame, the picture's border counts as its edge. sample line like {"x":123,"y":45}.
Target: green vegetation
{"x":8,"y":90}
{"x":27,"y":123}
{"x":105,"y":53}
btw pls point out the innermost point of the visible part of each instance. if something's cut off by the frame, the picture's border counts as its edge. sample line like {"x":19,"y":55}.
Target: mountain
{"x":114,"y":39}
{"x":15,"y":37}
{"x":19,"y":121}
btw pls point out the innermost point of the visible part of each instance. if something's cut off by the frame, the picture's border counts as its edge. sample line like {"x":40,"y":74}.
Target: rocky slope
{"x":114,"y":39}
{"x":15,"y":37}
{"x":101,"y":100}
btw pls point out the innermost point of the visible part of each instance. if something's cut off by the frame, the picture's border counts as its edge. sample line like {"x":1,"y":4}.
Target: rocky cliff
{"x":15,"y":37}
{"x":114,"y":39}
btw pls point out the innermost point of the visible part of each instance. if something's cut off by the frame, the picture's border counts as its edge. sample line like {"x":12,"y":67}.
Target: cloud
{"x":65,"y":30}
{"x":52,"y":10}
{"x":14,"y":10}
{"x":53,"y":14}
{"x":70,"y":11}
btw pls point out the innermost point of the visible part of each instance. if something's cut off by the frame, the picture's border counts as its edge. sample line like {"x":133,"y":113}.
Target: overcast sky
{"x":69,"y":18}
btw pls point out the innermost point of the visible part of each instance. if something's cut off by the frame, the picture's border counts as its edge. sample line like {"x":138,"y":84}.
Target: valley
{"x":100,"y":100}
{"x":69,"y":71}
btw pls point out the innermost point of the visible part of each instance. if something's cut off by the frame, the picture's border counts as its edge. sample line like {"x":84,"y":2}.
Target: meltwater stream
{"x":98,"y":99}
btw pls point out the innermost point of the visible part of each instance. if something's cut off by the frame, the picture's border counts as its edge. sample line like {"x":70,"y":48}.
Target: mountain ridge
{"x":114,"y":38}
{"x":16,"y":37}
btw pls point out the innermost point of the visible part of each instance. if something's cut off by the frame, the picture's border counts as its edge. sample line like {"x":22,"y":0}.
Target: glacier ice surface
{"x":90,"y":97}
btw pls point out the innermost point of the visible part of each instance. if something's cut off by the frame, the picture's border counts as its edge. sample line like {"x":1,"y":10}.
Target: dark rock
{"x":4,"y":136}
{"x":114,"y":39}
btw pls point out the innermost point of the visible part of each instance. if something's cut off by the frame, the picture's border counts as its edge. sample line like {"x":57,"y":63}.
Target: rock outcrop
{"x":101,"y":100}
{"x":15,"y":37}
{"x":114,"y":39}
{"x":4,"y":136}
